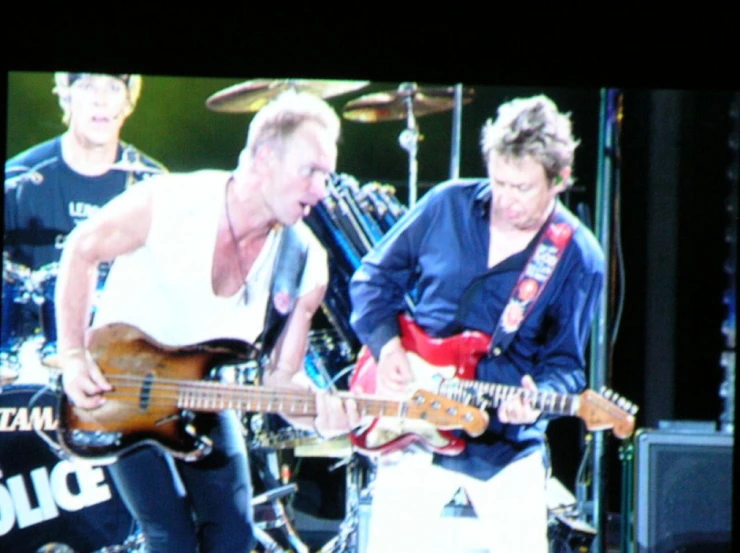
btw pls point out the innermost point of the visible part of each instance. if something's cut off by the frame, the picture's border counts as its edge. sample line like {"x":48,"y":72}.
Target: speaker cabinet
{"x":682,"y":491}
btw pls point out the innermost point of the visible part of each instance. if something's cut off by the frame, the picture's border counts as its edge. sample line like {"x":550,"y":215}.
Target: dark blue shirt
{"x":45,"y":198}
{"x":438,"y":253}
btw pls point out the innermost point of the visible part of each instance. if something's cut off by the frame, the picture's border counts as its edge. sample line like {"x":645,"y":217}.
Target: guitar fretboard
{"x":487,"y":394}
{"x":213,"y":396}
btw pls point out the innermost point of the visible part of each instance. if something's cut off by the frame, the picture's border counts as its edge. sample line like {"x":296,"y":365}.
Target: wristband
{"x":73,"y":351}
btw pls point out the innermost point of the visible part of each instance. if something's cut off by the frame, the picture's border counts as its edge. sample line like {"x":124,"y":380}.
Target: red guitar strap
{"x":536,"y":274}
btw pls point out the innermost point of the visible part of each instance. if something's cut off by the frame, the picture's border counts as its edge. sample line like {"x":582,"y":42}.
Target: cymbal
{"x":52,"y":361}
{"x":251,"y":96}
{"x":7,"y":376}
{"x":392,"y":105}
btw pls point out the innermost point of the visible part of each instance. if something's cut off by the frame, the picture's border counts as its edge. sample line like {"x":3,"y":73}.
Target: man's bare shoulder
{"x":179,"y":181}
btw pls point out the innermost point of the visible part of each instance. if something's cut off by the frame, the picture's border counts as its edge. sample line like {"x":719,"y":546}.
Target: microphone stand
{"x":456,"y":123}
{"x":409,"y":137}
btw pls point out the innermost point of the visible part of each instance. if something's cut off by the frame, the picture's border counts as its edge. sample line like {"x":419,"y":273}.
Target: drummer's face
{"x":302,"y":167}
{"x":99,"y":105}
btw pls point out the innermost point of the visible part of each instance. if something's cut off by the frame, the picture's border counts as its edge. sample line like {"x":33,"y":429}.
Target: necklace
{"x":234,"y":240}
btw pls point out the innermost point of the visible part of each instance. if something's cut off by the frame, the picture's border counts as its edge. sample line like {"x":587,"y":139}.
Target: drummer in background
{"x":53,"y":186}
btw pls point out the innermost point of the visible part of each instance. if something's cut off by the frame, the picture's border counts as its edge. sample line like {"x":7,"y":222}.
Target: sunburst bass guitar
{"x":446,"y":366}
{"x":158,"y":390}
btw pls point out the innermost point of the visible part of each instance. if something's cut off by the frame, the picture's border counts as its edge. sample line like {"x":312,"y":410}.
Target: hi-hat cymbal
{"x":250,"y":96}
{"x":392,"y":105}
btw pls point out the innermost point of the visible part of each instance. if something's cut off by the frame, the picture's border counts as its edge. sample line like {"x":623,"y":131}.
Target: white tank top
{"x":164,"y":288}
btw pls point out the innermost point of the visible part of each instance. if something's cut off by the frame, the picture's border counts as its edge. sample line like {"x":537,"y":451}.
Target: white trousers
{"x":417,"y":507}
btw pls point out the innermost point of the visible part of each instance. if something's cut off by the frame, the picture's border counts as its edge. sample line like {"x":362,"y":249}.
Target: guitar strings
{"x":169,"y":392}
{"x":496,"y":394}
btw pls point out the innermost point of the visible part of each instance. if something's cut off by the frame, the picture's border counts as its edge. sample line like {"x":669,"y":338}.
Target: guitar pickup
{"x":95,"y":439}
{"x":146,"y":391}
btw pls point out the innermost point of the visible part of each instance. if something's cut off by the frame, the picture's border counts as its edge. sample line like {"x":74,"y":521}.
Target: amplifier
{"x":682,"y":499}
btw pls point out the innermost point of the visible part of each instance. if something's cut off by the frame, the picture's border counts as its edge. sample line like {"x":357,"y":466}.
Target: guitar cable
{"x":54,"y":388}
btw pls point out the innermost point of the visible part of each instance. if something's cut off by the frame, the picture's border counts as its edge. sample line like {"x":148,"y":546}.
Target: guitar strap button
{"x":496,"y":351}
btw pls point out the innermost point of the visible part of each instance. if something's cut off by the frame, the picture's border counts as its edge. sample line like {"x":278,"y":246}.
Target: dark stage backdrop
{"x":674,"y":158}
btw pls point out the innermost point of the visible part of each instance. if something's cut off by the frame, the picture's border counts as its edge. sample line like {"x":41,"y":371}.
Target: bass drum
{"x":17,"y":308}
{"x":45,"y":499}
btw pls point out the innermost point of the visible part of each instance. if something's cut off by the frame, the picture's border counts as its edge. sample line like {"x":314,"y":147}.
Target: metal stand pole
{"x":409,"y":137}
{"x":456,"y":124}
{"x":600,"y":333}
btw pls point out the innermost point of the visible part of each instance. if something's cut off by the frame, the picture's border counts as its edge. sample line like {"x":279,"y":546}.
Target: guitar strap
{"x":286,"y":277}
{"x":534,"y":277}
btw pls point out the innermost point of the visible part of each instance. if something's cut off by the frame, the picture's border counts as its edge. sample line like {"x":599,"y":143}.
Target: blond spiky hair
{"x":62,"y":84}
{"x":284,"y":114}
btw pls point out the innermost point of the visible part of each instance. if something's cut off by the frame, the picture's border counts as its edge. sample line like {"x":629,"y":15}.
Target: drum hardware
{"x":347,"y":223}
{"x":131,"y":162}
{"x":285,"y":438}
{"x":364,"y":226}
{"x":380,"y":202}
{"x":43,"y":282}
{"x":55,"y":547}
{"x":328,"y":359}
{"x":270,"y":514}
{"x":135,"y":543}
{"x":250,"y":96}
{"x":408,"y":102}
{"x":455,"y":139}
{"x":8,"y":374}
{"x":359,"y":486}
{"x":17,"y":320}
{"x":27,"y":175}
{"x":391,"y":105}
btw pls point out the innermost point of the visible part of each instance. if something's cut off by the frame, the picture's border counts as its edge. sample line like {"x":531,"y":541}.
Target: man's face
{"x":522,"y":192}
{"x":98,"y":106}
{"x":299,"y":172}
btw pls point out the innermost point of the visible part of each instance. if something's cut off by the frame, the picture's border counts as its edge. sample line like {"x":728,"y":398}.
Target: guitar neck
{"x":488,"y":394}
{"x":213,"y":397}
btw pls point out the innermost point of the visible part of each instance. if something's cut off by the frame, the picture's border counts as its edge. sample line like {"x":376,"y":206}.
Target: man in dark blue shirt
{"x":464,"y":253}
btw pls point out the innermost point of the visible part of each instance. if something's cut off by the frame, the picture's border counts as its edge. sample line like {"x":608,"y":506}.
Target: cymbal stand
{"x":456,"y":122}
{"x":409,"y":137}
{"x":358,"y":476}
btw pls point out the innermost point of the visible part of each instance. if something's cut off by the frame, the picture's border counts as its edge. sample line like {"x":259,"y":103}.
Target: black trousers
{"x":213,"y":514}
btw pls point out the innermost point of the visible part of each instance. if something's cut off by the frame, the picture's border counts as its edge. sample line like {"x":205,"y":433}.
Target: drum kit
{"x":28,"y":324}
{"x":349,"y":222}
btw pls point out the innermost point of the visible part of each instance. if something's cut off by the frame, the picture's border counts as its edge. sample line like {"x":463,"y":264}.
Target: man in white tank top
{"x":194,"y":255}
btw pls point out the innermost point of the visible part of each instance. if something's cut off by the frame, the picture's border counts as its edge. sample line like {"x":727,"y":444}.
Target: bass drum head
{"x":47,"y":500}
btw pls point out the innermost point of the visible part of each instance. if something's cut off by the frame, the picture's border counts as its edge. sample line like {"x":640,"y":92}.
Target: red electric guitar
{"x":446,"y":366}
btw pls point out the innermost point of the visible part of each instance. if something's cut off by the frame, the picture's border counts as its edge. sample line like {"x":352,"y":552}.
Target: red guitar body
{"x":453,"y":357}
